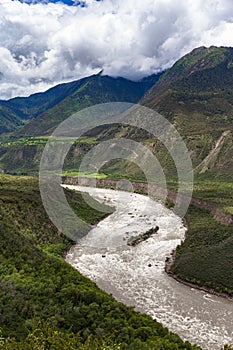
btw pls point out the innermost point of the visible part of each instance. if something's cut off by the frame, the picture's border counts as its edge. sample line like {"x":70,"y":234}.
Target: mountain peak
{"x":209,"y":62}
{"x":199,"y":59}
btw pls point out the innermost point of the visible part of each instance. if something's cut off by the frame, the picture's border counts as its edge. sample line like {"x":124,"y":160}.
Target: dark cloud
{"x":44,"y":44}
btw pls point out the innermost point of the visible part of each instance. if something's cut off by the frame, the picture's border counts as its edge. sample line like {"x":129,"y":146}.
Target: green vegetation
{"x":47,"y":304}
{"x":21,"y":156}
{"x":9,"y":120}
{"x":228,"y":347}
{"x":81,"y":174}
{"x":205,"y":257}
{"x":27,"y":141}
{"x":42,"y":140}
{"x":200,"y":58}
{"x":44,"y":336}
{"x":15,"y":113}
{"x":214,"y":191}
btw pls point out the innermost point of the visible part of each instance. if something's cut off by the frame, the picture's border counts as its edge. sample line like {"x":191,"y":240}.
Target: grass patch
{"x":82,"y":174}
{"x":228,"y":210}
{"x":215,"y":191}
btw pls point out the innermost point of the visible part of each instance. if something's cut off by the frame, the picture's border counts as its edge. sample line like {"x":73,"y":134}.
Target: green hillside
{"x":196,"y":95}
{"x":18,"y":111}
{"x":206,"y":254}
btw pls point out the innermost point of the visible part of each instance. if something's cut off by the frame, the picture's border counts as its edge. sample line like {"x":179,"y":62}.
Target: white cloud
{"x":44,"y":44}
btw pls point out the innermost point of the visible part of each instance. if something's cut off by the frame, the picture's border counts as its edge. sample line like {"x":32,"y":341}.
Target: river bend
{"x":136,"y":276}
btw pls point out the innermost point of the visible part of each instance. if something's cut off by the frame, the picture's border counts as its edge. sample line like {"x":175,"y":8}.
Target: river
{"x":136,"y":276}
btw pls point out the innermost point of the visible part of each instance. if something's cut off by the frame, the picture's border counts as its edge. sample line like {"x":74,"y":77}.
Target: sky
{"x":44,"y":43}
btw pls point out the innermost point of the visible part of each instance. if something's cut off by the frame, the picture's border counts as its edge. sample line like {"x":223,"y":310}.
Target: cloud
{"x":43,"y":44}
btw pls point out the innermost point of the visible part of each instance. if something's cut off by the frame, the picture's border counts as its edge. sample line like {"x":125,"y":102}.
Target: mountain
{"x":9,"y":119}
{"x":196,"y":95}
{"x":93,"y":90}
{"x":199,"y":86}
{"x":68,"y":98}
{"x":17,"y":111}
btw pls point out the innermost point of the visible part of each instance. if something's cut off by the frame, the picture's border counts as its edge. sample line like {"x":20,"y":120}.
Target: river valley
{"x":136,"y":276}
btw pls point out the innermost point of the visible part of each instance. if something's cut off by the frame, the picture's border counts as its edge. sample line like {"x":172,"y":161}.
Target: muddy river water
{"x":136,"y":276}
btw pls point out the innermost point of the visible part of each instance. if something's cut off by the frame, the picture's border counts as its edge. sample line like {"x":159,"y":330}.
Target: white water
{"x":123,"y":271}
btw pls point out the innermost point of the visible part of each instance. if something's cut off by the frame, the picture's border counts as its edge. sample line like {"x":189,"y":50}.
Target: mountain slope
{"x":214,"y":158}
{"x":9,"y":119}
{"x":17,"y":112}
{"x":196,"y":95}
{"x":92,"y":90}
{"x":200,"y":85}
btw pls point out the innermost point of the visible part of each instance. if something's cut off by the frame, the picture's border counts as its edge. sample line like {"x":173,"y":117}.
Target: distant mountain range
{"x":39,"y":113}
{"x":196,"y":95}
